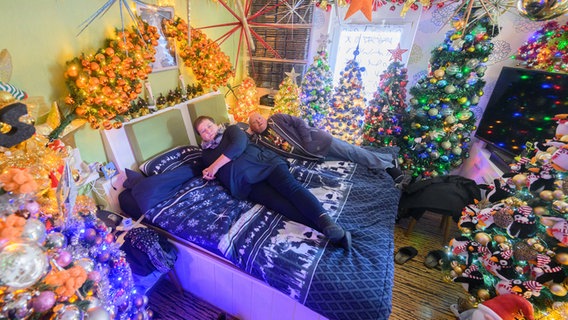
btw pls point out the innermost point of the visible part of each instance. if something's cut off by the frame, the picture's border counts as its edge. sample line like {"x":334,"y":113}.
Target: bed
{"x":243,"y":258}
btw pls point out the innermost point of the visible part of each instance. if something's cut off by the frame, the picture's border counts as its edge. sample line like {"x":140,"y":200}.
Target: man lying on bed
{"x":257,"y":174}
{"x":292,"y":137}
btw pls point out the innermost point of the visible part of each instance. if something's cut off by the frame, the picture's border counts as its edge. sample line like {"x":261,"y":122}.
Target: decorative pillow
{"x":132,"y":178}
{"x":174,"y":158}
{"x":128,"y":204}
{"x":152,"y":190}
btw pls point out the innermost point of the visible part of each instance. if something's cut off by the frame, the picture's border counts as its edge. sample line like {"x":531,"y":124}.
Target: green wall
{"x":41,"y":35}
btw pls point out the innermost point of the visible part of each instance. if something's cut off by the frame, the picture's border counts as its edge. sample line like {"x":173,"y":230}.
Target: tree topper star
{"x":366,"y":7}
{"x":396,"y":54}
{"x":292,"y":75}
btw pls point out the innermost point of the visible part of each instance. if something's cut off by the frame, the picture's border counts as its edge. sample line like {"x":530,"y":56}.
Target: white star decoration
{"x":292,"y":75}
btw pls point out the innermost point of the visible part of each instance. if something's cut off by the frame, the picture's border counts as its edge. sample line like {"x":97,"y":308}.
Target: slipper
{"x":434,"y":259}
{"x":404,"y":254}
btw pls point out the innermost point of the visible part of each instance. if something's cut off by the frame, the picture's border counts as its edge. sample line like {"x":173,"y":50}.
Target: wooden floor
{"x":419,"y":292}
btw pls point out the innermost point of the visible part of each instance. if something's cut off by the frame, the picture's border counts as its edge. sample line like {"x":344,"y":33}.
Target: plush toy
{"x":562,"y":125}
{"x":523,"y":288}
{"x":501,"y":190}
{"x":471,"y":279}
{"x":499,"y":262}
{"x":467,"y":248}
{"x":557,"y":228}
{"x":546,"y":270}
{"x":524,"y":223}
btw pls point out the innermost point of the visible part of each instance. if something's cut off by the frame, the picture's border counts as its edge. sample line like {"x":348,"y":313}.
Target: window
{"x":373,"y":43}
{"x":374,"y":40}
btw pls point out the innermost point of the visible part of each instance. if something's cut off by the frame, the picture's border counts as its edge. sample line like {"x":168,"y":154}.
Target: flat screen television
{"x":521,"y":109}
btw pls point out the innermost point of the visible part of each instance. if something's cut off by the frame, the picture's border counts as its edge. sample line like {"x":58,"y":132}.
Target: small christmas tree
{"x":440,"y":120}
{"x":247,"y":101}
{"x":287,"y":99}
{"x":316,"y":90}
{"x":345,"y":119}
{"x":385,"y":110}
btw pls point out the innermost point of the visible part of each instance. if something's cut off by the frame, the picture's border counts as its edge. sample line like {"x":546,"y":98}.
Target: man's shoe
{"x":396,"y":174}
{"x":330,"y":229}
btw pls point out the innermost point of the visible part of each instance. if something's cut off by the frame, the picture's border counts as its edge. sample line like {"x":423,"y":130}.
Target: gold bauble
{"x":6,"y":98}
{"x":551,"y":150}
{"x":558,"y":194}
{"x":439,"y":73}
{"x":546,"y":195}
{"x":541,"y":10}
{"x":562,"y":258}
{"x":499,"y":238}
{"x":520,"y":180}
{"x":558,"y":289}
{"x":458,"y":270}
{"x":538,"y":247}
{"x":483,"y":238}
{"x":560,"y":206}
{"x":540,"y":211}
{"x":483,"y":294}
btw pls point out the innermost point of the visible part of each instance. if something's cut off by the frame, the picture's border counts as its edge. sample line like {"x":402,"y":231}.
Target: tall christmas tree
{"x":384,"y":112}
{"x":440,"y":120}
{"x":516,"y":240}
{"x":287,"y":99}
{"x":347,"y":112}
{"x":316,"y":90}
{"x":57,"y":259}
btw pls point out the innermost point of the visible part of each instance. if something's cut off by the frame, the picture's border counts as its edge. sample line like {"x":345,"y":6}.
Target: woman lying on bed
{"x":260,"y":175}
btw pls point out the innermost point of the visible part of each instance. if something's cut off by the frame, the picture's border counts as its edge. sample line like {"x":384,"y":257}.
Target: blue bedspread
{"x":293,"y":258}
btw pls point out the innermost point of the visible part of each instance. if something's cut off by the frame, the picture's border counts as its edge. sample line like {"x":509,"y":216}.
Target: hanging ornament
{"x":542,"y":10}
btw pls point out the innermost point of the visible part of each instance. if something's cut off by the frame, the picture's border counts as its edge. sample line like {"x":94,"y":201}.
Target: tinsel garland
{"x":211,"y":67}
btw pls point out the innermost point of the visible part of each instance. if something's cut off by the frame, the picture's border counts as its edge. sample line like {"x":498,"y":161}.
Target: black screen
{"x":521,"y":108}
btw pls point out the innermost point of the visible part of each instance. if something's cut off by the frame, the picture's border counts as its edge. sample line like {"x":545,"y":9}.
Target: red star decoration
{"x":396,"y":54}
{"x":366,"y":7}
{"x":244,"y":25}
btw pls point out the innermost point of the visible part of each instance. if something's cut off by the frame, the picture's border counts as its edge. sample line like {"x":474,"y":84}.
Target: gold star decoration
{"x":396,"y":54}
{"x":292,"y":75}
{"x":366,"y":7}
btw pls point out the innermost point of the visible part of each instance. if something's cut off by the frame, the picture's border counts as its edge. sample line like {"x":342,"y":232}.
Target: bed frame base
{"x":238,"y":294}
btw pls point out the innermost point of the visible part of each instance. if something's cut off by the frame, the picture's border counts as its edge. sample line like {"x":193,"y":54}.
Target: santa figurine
{"x":502,"y":307}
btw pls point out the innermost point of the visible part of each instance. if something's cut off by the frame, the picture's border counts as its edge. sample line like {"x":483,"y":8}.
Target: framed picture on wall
{"x":165,"y":51}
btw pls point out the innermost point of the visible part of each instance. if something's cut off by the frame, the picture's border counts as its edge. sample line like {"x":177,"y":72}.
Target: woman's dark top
{"x":249,"y":163}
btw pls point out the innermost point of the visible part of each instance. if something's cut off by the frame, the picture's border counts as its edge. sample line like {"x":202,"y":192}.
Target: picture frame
{"x":166,"y":58}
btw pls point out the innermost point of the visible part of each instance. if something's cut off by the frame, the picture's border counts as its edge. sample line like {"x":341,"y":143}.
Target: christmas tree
{"x":516,"y":240}
{"x":384,"y":112}
{"x":546,"y":49}
{"x":287,"y":99}
{"x":316,"y":90}
{"x":247,"y":101}
{"x":57,"y":259}
{"x":346,"y":115}
{"x":439,"y":122}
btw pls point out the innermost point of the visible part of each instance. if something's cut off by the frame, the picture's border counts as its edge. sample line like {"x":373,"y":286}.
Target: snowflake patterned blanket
{"x":291,"y":257}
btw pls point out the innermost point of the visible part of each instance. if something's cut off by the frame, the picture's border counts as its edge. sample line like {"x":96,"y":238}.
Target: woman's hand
{"x":209,"y":173}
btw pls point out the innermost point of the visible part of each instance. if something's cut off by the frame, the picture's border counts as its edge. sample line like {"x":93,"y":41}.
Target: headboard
{"x":147,"y":136}
{"x":142,"y":138}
